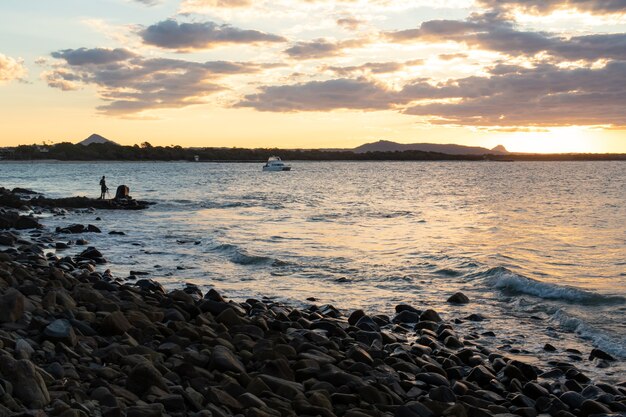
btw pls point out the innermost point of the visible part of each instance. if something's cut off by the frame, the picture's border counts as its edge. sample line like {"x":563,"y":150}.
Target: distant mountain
{"x":450,"y":149}
{"x":95,"y":138}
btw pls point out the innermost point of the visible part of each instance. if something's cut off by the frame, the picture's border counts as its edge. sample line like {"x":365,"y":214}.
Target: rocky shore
{"x":75,"y":341}
{"x":20,"y":198}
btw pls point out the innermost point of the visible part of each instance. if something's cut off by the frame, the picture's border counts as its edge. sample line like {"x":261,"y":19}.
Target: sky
{"x":532,"y":75}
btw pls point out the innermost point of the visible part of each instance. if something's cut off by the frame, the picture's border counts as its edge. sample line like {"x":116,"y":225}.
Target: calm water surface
{"x":539,"y":247}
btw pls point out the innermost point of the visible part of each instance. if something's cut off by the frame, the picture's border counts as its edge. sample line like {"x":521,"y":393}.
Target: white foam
{"x":504,"y":279}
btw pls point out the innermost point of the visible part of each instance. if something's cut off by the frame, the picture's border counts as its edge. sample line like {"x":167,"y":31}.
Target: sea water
{"x":538,"y":247}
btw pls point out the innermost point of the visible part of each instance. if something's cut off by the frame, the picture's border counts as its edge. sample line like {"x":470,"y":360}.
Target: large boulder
{"x":28,"y":385}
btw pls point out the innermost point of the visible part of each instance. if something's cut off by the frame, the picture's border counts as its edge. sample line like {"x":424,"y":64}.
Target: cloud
{"x":543,"y":96}
{"x":170,"y":34}
{"x":148,"y":2}
{"x":11,"y":69}
{"x":547,"y":7}
{"x":321,"y":48}
{"x":350,"y":23}
{"x":98,"y":56}
{"x":136,"y":83}
{"x":510,"y":96}
{"x":360,"y":94}
{"x":451,"y":57}
{"x":373,"y":67}
{"x":491,"y":31}
{"x":216,"y":3}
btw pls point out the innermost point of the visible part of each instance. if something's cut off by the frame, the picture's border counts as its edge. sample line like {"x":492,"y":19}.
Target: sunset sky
{"x":533,"y":75}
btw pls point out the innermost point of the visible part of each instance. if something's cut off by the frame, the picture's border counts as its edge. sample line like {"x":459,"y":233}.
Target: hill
{"x":449,"y":149}
{"x":95,"y":138}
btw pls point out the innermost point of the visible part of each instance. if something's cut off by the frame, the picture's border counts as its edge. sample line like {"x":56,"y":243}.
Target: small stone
{"x":458,"y":298}
{"x":430,"y":315}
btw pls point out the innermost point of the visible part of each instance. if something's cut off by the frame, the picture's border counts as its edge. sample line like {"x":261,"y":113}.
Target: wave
{"x":512,"y":283}
{"x":240,"y":257}
{"x":224,"y":205}
{"x":598,"y":338}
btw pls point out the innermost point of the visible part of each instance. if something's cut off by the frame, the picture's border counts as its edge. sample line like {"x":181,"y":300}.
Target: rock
{"x":442,"y":394}
{"x":433,"y":378}
{"x":149,"y":285}
{"x":549,"y":348}
{"x":23,"y":349}
{"x":600,"y":354}
{"x":148,"y":410}
{"x":413,"y":409}
{"x":355,"y":316}
{"x":590,"y":407}
{"x":143,"y":376}
{"x":115,"y":323}
{"x":430,"y":315}
{"x":114,"y":232}
{"x":28,"y":385}
{"x":223,"y":359}
{"x":61,"y":330}
{"x":475,"y":317}
{"x":458,"y":298}
{"x":93,"y":229}
{"x":11,"y":306}
{"x":90,"y":253}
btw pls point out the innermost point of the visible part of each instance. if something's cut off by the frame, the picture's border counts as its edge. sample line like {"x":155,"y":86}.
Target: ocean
{"x":538,"y":247}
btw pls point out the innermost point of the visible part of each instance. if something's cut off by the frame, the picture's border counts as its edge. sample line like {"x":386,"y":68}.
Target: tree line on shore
{"x":146,"y":152}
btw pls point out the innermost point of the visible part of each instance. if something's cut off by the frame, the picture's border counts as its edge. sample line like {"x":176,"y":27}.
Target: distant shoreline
{"x":466,"y":158}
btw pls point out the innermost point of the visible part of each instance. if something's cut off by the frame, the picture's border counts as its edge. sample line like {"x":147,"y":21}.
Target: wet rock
{"x":430,"y":315}
{"x":355,"y":316}
{"x":600,"y":354}
{"x":549,"y":348}
{"x":475,"y":317}
{"x":458,"y":298}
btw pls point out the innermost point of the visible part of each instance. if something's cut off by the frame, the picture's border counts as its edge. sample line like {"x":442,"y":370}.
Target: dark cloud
{"x":491,"y":31}
{"x":360,"y":94}
{"x":98,"y":56}
{"x":321,"y":48}
{"x":170,"y":34}
{"x":549,"y":6}
{"x":542,"y":96}
{"x":510,"y":96}
{"x":373,"y":67}
{"x":137,"y":83}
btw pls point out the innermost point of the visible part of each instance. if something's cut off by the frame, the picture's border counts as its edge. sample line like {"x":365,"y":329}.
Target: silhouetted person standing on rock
{"x":103,"y":188}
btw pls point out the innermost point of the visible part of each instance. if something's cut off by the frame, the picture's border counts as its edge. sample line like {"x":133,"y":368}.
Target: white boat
{"x":274,"y":163}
